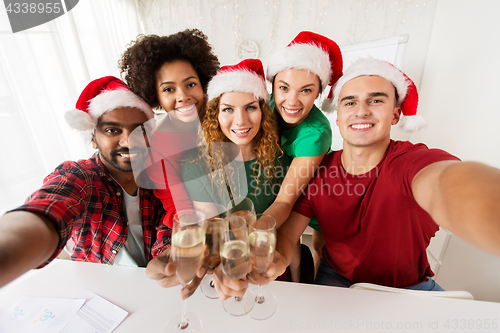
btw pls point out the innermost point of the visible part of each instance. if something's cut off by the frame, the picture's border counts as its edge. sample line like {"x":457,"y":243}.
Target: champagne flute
{"x":188,"y":243}
{"x":262,"y":240}
{"x":235,"y":261}
{"x":242,"y":206}
{"x":215,"y":215}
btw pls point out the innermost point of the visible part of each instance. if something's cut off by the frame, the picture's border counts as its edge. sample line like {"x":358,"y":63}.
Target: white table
{"x":301,"y":307}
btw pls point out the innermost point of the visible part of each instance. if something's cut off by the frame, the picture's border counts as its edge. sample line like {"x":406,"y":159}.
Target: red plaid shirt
{"x":86,"y":203}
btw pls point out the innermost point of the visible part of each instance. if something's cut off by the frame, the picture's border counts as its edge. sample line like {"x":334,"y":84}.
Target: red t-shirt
{"x":374,"y":229}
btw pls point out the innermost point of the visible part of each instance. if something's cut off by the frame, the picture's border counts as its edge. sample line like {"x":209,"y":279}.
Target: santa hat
{"x":312,"y":52}
{"x":247,"y":76}
{"x":407,"y":91}
{"x":100,"y":96}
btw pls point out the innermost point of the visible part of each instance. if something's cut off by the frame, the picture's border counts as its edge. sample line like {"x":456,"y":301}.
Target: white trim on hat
{"x":375,"y":67}
{"x":309,"y":57}
{"x":237,"y":80}
{"x":372,"y":66}
{"x":114,"y":99}
{"x":107,"y":100}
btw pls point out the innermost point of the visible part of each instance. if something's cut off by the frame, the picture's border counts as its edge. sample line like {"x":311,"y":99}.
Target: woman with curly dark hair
{"x":146,"y":60}
{"x":171,"y":73}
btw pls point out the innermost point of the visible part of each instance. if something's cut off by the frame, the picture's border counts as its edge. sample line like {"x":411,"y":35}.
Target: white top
{"x":132,"y":254}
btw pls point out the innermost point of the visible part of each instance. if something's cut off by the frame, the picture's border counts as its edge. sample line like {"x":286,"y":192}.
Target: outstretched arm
{"x":464,"y":198}
{"x":297,"y":178}
{"x":27,"y":240}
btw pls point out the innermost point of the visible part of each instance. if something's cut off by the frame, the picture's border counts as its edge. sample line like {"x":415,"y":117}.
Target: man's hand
{"x":162,"y":270}
{"x":275,"y":269}
{"x":227,"y":287}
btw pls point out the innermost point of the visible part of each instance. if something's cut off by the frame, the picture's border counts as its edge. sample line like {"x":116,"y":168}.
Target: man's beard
{"x":113,"y":159}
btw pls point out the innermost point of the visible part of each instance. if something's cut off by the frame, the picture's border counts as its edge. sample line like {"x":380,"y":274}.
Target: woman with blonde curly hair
{"x":241,"y":135}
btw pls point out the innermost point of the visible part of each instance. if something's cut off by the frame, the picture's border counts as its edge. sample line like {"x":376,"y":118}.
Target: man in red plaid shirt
{"x":95,"y":203}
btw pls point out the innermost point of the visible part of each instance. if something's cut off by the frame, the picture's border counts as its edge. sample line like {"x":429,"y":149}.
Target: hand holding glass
{"x":188,"y":242}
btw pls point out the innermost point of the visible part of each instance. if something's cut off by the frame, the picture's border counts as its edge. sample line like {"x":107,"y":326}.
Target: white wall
{"x":459,"y":98}
{"x":272,"y":24}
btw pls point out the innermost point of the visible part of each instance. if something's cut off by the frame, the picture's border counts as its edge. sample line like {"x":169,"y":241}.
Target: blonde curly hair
{"x":215,"y":158}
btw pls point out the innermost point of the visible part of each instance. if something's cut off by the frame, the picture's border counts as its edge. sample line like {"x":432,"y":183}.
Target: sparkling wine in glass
{"x":242,"y":206}
{"x":188,"y":242}
{"x":262,"y":240}
{"x":235,"y":261}
{"x":215,"y":214}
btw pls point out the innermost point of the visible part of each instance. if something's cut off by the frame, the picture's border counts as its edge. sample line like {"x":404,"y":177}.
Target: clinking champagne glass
{"x":215,"y":214}
{"x":242,"y":206}
{"x":235,"y":261}
{"x":188,"y":243}
{"x":262,"y":240}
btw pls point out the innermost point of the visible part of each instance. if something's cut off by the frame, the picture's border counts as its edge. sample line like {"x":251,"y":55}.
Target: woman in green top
{"x":237,"y":116}
{"x":299,"y":73}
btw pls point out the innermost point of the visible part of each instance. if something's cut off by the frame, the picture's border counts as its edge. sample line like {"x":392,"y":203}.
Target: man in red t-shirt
{"x":378,"y":201}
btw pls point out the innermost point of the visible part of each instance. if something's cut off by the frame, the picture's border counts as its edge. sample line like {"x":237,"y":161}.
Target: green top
{"x":199,"y":184}
{"x":312,"y":137}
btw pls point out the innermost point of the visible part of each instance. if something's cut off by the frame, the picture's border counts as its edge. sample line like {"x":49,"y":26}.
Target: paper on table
{"x":97,"y":315}
{"x":39,"y":315}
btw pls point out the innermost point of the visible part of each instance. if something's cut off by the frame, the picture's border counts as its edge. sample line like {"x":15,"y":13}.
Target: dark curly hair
{"x":145,"y":56}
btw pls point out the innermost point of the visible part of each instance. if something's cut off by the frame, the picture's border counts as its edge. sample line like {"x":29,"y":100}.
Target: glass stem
{"x":184,"y":322}
{"x":260,"y":298}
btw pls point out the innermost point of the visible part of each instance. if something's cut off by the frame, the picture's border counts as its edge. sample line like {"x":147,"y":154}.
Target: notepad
{"x":97,"y":315}
{"x":86,"y":312}
{"x":39,"y":315}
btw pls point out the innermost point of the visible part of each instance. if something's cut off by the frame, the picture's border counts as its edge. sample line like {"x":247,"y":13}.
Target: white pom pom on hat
{"x":100,"y":96}
{"x":407,"y":91}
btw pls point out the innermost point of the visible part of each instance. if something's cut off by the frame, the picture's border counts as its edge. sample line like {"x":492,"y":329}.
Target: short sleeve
{"x":303,"y":206}
{"x":312,"y":137}
{"x":404,"y":166}
{"x":313,"y":142}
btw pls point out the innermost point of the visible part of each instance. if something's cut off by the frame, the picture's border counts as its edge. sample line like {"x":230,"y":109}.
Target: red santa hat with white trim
{"x":100,"y":96}
{"x":407,"y":91}
{"x":312,"y":52}
{"x":246,"y":76}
